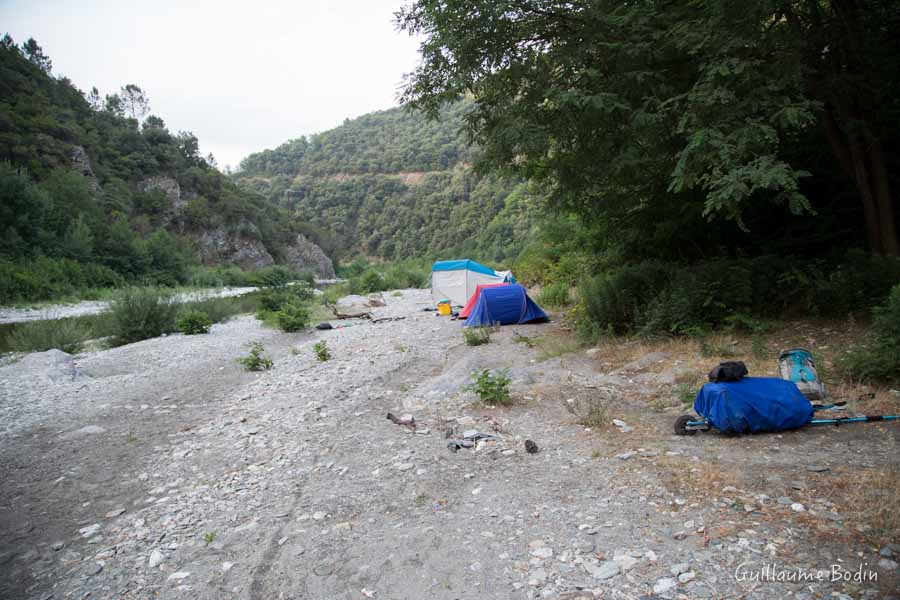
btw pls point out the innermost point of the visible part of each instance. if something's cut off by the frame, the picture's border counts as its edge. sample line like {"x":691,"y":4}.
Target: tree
{"x":7,"y":42}
{"x":35,"y":54}
{"x":134,"y":101}
{"x":114,"y":105}
{"x":656,"y":102}
{"x":94,"y":99}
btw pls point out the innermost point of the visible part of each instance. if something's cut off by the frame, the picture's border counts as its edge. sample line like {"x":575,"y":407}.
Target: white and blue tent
{"x":457,"y":280}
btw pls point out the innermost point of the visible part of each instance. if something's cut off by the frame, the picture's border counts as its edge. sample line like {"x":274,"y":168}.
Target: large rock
{"x":304,"y":255}
{"x":168,"y":186}
{"x":239,"y":245}
{"x":81,"y":162}
{"x":55,"y":365}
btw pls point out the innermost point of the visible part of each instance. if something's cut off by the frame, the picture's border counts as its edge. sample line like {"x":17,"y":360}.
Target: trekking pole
{"x":866,"y":419}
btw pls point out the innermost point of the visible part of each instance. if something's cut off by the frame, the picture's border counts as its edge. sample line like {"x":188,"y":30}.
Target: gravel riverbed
{"x":161,"y":469}
{"x":92,"y":307}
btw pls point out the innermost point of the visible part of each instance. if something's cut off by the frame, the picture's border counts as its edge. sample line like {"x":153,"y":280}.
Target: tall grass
{"x":37,"y":336}
{"x":140,"y":313}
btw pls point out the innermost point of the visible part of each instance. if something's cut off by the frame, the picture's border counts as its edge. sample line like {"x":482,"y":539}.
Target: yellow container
{"x":444,"y":308}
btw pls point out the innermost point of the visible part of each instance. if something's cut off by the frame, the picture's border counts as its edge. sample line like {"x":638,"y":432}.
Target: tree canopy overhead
{"x":721,"y":105}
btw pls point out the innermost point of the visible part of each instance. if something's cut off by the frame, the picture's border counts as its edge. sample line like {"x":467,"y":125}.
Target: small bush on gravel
{"x":256,"y":360}
{"x":38,"y":336}
{"x":476,"y":336}
{"x":491,"y":387}
{"x":292,"y":317}
{"x":141,"y":313}
{"x":322,"y":351}
{"x":193,"y":322}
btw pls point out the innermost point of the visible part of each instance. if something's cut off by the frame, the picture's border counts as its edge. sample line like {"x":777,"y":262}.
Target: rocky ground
{"x":163,"y":470}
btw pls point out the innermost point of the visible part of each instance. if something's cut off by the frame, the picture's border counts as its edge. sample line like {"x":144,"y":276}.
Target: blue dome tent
{"x":505,"y":305}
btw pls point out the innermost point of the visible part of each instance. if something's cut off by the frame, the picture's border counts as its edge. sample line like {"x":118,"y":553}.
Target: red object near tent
{"x":473,"y":300}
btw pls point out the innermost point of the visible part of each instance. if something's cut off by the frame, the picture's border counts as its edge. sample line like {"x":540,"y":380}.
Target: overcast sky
{"x":242,"y":76}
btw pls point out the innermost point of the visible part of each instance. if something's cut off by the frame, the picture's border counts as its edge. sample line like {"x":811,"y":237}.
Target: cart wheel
{"x":681,"y":425}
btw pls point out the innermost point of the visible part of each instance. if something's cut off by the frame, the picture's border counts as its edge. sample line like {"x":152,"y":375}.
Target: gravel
{"x":182,"y":476}
{"x":91,"y":307}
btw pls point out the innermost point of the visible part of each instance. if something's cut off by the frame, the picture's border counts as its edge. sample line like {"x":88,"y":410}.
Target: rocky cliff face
{"x":240,"y":246}
{"x":168,"y":186}
{"x":303,"y":255}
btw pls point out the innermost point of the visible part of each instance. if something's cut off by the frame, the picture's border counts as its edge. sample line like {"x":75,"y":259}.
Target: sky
{"x":242,"y":76}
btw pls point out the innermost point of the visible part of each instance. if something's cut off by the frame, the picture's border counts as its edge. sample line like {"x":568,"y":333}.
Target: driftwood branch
{"x":411,"y":423}
{"x":340,"y":315}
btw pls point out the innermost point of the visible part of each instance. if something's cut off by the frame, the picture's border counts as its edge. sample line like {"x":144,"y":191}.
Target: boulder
{"x":304,"y":255}
{"x":55,"y":365}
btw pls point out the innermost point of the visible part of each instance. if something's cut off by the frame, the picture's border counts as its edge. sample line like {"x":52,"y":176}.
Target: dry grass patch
{"x":686,"y":478}
{"x":553,"y":345}
{"x":869,"y":499}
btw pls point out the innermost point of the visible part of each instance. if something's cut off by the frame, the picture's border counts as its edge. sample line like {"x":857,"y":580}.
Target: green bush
{"x":555,"y":295}
{"x":220,"y":310}
{"x":476,"y":336}
{"x":322,"y":351}
{"x":37,"y":336}
{"x":193,"y":322}
{"x":141,"y":313}
{"x":256,"y":360}
{"x":271,"y":300}
{"x":491,"y":387}
{"x":879,"y":360}
{"x":367,"y":283}
{"x":274,"y":276}
{"x":292,"y":317}
{"x":653,"y":297}
{"x":219,"y":277}
{"x":45,"y":278}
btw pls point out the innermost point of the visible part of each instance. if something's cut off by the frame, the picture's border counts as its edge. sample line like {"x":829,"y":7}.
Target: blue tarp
{"x":753,"y":405}
{"x":504,"y":305}
{"x":460,"y":265}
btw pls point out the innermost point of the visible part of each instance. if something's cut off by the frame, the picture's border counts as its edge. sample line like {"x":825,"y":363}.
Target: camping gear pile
{"x":734,"y":403}
{"x":487,"y":297}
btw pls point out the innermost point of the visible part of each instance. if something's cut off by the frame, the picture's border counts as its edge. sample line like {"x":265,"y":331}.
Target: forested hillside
{"x":96,"y":192}
{"x":393,"y":185}
{"x":715,"y":164}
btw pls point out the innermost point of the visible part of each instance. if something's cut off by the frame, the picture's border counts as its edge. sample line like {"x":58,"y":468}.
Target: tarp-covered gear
{"x":504,"y":305}
{"x":797,"y":365}
{"x":473,"y":299}
{"x":456,"y":280}
{"x":753,"y":405}
{"x":732,"y":370}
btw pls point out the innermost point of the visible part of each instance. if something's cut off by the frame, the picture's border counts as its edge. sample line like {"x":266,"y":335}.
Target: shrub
{"x":274,"y":276}
{"x":491,"y":387}
{"x":292,"y":317}
{"x":272,"y":300}
{"x":37,"y":336}
{"x":476,"y":336}
{"x":193,"y":322}
{"x":555,"y":295}
{"x":256,"y":360}
{"x":219,"y":277}
{"x":878,"y":360}
{"x":141,"y":313}
{"x":322,"y":351}
{"x":369,"y":282}
{"x":220,"y":310}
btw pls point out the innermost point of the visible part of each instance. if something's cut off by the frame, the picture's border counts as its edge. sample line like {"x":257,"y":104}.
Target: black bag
{"x":732,"y":370}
